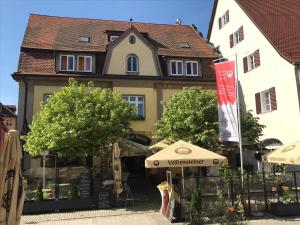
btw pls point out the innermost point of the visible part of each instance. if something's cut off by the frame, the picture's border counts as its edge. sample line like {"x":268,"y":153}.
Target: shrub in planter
{"x":286,"y":206}
{"x":222,"y":212}
{"x":73,"y":192}
{"x":39,"y":196}
{"x":196,"y":206}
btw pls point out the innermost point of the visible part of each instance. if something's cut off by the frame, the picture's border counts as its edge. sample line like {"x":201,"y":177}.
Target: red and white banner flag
{"x":227,"y":105}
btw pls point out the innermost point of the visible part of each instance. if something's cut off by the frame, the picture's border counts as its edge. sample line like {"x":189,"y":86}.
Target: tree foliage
{"x":192,"y":115}
{"x":78,"y":120}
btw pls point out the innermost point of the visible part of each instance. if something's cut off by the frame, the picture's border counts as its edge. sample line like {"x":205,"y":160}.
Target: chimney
{"x":178,"y":21}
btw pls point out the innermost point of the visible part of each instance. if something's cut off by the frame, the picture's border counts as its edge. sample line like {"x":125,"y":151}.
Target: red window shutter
{"x":273,"y":98}
{"x":227,"y":16}
{"x":245,"y":62}
{"x":241,"y":32}
{"x":63,"y":63}
{"x":220,"y":23}
{"x":257,"y":58}
{"x":231,"y":40}
{"x":258,"y":103}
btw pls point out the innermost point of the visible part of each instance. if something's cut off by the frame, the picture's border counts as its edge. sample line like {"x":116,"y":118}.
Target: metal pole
{"x":231,"y":191}
{"x":239,"y":121}
{"x":296,"y":186}
{"x":182,"y":171}
{"x":249,"y":198}
{"x":44,"y":173}
{"x":265,"y":188}
{"x":56,"y":191}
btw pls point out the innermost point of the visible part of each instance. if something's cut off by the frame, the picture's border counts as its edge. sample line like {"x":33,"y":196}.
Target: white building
{"x":265,"y":35}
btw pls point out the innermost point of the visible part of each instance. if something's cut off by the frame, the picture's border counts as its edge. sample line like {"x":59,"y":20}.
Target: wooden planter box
{"x":280,"y":209}
{"x":32,"y":207}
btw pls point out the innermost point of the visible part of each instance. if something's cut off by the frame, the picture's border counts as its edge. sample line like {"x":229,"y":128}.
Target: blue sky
{"x":14,"y":16}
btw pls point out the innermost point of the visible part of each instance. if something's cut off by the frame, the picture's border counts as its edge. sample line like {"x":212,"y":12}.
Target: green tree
{"x":192,"y":115}
{"x":79,"y":121}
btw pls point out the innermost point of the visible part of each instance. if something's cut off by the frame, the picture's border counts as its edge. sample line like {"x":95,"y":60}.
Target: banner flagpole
{"x":239,"y":120}
{"x":229,"y":103}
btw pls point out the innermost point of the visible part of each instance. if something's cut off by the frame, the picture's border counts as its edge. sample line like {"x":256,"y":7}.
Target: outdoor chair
{"x":126,"y":196}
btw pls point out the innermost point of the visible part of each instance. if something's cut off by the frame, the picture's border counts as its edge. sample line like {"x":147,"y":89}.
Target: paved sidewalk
{"x":130,"y":217}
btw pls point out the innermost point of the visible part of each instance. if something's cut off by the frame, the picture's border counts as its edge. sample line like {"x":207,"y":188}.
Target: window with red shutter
{"x":224,"y":19}
{"x":241,"y":32}
{"x":273,"y":98}
{"x":258,"y":103}
{"x":227,"y":16}
{"x":245,"y":63}
{"x":257,"y":58}
{"x":231,"y":40}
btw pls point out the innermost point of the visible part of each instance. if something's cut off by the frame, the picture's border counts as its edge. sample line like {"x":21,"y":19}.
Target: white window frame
{"x":8,"y":122}
{"x":224,"y":20}
{"x":113,"y":37}
{"x":236,"y":37}
{"x":137,"y":64}
{"x":68,"y":56}
{"x":85,"y":57}
{"x":251,"y":64}
{"x":176,"y":63}
{"x":265,"y":101}
{"x":136,"y":103}
{"x":192,"y":68}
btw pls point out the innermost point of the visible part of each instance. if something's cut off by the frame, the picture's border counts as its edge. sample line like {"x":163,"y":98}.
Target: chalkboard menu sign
{"x":84,"y":185}
{"x":104,"y":200}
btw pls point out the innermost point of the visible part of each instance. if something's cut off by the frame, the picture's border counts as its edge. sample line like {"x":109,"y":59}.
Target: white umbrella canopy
{"x":184,"y":154}
{"x":289,"y":154}
{"x":160,"y":145}
{"x":11,"y":187}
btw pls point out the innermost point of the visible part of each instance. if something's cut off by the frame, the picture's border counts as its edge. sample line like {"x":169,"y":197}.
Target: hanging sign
{"x":227,"y":105}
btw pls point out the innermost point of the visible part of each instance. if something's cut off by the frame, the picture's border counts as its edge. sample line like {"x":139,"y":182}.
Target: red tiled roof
{"x":62,"y":33}
{"x":279,"y":20}
{"x":36,"y":62}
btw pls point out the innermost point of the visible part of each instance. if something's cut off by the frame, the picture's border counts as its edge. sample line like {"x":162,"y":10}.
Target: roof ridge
{"x":123,"y":21}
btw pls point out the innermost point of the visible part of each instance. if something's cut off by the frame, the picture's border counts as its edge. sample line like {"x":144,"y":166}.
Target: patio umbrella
{"x":11,"y":187}
{"x":160,"y":145}
{"x":117,"y":169}
{"x":289,"y":154}
{"x":183,"y":154}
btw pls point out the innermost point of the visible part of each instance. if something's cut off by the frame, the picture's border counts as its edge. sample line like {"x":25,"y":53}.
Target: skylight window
{"x":184,"y":45}
{"x":84,"y":39}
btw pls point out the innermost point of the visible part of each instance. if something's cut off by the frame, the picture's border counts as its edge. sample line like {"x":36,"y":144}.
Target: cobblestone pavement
{"x":124,"y":217}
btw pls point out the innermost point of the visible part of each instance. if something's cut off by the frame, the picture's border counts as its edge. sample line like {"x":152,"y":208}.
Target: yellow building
{"x":147,"y":63}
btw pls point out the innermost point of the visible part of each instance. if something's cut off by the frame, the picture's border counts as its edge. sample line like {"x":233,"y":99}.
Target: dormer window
{"x":132,"y":64}
{"x":184,"y":45}
{"x":191,"y":68}
{"x":176,"y":67}
{"x":67,"y":62}
{"x":84,"y":63}
{"x":84,"y":39}
{"x":113,"y":37}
